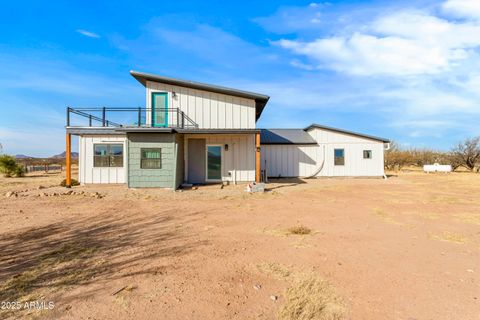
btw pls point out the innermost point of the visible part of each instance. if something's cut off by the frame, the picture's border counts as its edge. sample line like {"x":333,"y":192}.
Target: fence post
{"x":139,"y":116}
{"x":89,"y":120}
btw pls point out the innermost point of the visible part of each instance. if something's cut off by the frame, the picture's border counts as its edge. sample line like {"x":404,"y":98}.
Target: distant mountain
{"x":22,"y":156}
{"x":63,"y":155}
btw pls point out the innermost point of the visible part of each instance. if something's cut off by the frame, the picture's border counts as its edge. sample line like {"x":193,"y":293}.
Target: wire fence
{"x":44,"y":168}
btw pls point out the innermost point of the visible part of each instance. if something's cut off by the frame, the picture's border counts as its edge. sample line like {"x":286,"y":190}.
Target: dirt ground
{"x":404,"y":248}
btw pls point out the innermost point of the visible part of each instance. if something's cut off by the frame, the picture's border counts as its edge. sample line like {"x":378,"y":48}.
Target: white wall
{"x":89,"y":174}
{"x":208,"y":109}
{"x":302,"y":161}
{"x":239,"y":157}
{"x":355,"y":165}
{"x":290,"y":160}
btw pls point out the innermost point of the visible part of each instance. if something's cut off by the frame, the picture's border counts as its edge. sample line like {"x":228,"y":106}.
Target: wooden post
{"x":257,"y":157}
{"x":68,"y":162}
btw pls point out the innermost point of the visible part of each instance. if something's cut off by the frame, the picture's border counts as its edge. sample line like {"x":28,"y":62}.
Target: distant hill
{"x":63,"y":155}
{"x":22,"y":156}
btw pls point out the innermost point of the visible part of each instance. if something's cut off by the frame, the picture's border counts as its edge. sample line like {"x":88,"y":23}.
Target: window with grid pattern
{"x":151,"y":158}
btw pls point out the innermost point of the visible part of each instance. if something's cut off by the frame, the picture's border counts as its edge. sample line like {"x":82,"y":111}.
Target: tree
{"x":9,"y":166}
{"x":467,"y":153}
{"x":396,"y":158}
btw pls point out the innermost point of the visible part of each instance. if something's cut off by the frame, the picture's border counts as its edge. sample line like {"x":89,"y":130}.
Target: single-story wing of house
{"x":196,"y":133}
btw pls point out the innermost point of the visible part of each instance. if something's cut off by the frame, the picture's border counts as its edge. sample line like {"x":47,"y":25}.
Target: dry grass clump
{"x":309,"y":297}
{"x":299,"y":230}
{"x":385,"y":216}
{"x":312,"y":298}
{"x":469,"y":218}
{"x":449,"y":237}
{"x":277,"y":270}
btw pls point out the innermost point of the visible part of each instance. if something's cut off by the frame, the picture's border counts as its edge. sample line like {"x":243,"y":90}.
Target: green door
{"x":159,"y":109}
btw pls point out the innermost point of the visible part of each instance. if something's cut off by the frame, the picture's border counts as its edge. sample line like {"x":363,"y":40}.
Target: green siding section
{"x":152,"y":178}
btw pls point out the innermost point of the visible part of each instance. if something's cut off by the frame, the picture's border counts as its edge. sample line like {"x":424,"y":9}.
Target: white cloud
{"x":462,"y":8}
{"x":88,"y":33}
{"x":401,"y":44}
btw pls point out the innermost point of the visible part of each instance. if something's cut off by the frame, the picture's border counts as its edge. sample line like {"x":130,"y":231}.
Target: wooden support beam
{"x":257,"y":157}
{"x":68,"y":164}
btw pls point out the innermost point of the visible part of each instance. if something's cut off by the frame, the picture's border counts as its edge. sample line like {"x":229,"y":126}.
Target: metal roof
{"x":260,"y":99}
{"x":285,"y":136}
{"x":314,"y":125}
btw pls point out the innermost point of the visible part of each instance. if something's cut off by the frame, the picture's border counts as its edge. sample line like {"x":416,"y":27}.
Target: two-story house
{"x":191,"y":132}
{"x":188,"y":132}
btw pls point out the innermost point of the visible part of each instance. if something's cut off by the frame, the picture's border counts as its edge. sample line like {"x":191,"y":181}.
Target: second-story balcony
{"x":129,"y":118}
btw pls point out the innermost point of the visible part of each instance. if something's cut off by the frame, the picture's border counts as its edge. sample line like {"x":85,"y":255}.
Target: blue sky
{"x":404,"y":70}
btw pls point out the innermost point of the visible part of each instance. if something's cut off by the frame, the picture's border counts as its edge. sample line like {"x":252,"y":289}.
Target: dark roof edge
{"x":315,"y":125}
{"x":290,"y":144}
{"x":142,"y":77}
{"x":260,"y":99}
{"x":93,"y":131}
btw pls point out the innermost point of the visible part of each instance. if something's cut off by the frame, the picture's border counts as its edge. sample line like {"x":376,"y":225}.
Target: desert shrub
{"x":73,"y":183}
{"x":311,"y":297}
{"x":397,"y":158}
{"x":299,"y":230}
{"x":9,"y":167}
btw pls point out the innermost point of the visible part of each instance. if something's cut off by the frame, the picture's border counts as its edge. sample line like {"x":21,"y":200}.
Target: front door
{"x":196,"y":160}
{"x":159,"y":109}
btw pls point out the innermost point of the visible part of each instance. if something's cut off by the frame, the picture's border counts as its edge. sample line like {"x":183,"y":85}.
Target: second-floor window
{"x":107,"y":155}
{"x":367,"y":154}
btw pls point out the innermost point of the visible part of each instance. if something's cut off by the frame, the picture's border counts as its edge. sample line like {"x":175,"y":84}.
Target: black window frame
{"x":109,"y":159}
{"x":339,"y":161}
{"x":143,"y":160}
{"x":370,"y":154}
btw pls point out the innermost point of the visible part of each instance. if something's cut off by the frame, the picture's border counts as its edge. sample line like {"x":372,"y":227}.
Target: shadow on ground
{"x":81,"y":251}
{"x":283,"y":182}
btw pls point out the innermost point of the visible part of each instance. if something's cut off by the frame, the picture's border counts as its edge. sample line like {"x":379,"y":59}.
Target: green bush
{"x":73,"y":182}
{"x":9,"y":167}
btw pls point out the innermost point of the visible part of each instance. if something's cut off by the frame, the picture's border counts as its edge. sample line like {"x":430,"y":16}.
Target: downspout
{"x":320,"y":168}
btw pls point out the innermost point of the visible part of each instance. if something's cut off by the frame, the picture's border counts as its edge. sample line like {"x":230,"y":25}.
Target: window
{"x":108,"y":155}
{"x":339,"y":157}
{"x":151,"y":158}
{"x":367,"y":154}
{"x":214,"y":162}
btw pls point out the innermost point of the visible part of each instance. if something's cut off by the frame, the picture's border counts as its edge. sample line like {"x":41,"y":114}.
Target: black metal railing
{"x":129,"y":117}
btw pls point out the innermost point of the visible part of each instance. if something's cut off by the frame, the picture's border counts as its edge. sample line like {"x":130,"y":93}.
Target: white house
{"x":199,"y":133}
{"x":321,"y":151}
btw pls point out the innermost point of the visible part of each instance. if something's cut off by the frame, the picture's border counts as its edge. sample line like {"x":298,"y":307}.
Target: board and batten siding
{"x":209,"y":110}
{"x":238,"y":163}
{"x":87,"y":173}
{"x":289,"y":160}
{"x":355,"y":165}
{"x":305,"y":160}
